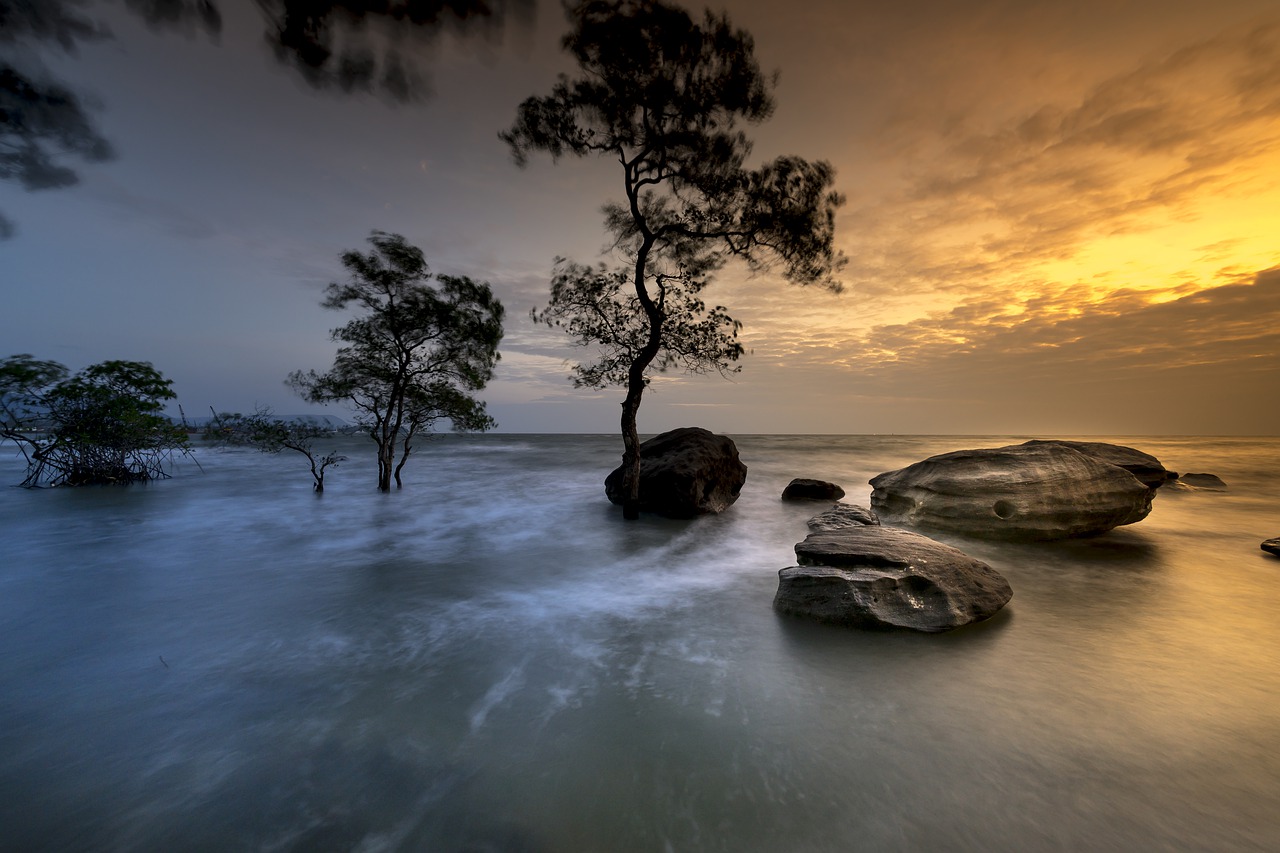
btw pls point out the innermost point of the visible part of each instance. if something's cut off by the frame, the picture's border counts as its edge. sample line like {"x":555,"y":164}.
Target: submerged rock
{"x":1272,"y":546}
{"x":813,"y":490}
{"x":1028,"y":491}
{"x":841,"y":516}
{"x":685,"y":472}
{"x":1203,"y":481}
{"x":867,"y":576}
{"x":1148,"y":469}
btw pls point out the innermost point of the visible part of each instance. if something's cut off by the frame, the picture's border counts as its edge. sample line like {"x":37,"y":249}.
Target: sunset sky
{"x":1063,"y":218}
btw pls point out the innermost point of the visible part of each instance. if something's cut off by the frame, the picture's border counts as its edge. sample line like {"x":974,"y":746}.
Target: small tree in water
{"x":103,"y":425}
{"x":663,"y":95}
{"x":270,"y":434}
{"x":414,"y":356}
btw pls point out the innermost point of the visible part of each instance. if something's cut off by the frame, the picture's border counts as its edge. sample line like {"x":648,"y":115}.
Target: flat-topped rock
{"x":867,"y":576}
{"x":1028,"y":491}
{"x":1148,"y":469}
{"x":801,"y":489}
{"x":841,"y":516}
{"x":684,"y":473}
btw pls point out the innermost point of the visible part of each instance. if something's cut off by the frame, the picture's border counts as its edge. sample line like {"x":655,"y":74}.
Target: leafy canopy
{"x":102,"y":425}
{"x":416,"y":353}
{"x":597,"y":306}
{"x":665,"y":96}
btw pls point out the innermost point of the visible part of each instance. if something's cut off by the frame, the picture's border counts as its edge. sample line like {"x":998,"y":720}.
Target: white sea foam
{"x":494,"y":646}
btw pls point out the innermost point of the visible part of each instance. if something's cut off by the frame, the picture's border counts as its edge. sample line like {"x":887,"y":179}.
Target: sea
{"x":492,"y":659}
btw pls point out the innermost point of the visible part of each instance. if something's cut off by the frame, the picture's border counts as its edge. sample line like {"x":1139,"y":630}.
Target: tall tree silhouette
{"x":416,"y":354}
{"x":664,"y":95}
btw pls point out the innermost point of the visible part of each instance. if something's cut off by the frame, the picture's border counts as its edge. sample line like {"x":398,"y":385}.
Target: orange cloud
{"x":1163,"y":147}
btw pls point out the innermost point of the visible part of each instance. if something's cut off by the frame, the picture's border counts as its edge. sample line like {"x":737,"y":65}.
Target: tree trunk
{"x":631,"y":451}
{"x":386,"y":462}
{"x":635,"y":388}
{"x":404,"y":456}
{"x":317,"y":475}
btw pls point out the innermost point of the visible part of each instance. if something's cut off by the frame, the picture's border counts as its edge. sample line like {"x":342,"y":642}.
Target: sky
{"x":1063,"y":218}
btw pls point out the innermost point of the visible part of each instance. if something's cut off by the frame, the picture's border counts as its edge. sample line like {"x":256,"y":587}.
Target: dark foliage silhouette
{"x":663,"y":95}
{"x":271,"y":434}
{"x":414,"y":356}
{"x":103,"y":425}
{"x":370,"y":45}
{"x":347,"y":46}
{"x":43,"y":124}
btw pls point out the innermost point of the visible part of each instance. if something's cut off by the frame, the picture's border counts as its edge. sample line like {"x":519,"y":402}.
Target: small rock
{"x":867,"y":576}
{"x":1203,"y":481}
{"x":841,"y":516}
{"x":1272,"y":546}
{"x":801,"y":489}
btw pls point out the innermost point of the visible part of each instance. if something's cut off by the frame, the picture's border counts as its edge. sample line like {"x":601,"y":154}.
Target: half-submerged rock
{"x":1211,"y":482}
{"x":801,"y":489}
{"x":684,"y":473}
{"x":867,"y":576}
{"x":1028,"y":491}
{"x":1272,"y":546}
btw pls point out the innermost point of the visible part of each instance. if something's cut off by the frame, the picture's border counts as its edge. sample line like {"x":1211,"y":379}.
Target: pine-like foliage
{"x":664,"y":96}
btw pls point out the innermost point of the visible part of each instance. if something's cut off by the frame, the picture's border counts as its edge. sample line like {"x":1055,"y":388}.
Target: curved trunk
{"x":631,"y":451}
{"x":404,"y":457}
{"x":635,"y":389}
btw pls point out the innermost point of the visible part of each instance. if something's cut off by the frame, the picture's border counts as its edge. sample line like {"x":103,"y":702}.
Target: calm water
{"x":493,"y":660}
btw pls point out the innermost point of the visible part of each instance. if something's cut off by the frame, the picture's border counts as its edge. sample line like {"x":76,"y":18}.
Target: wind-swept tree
{"x":663,"y":95}
{"x":102,"y":425}
{"x":414,"y":356}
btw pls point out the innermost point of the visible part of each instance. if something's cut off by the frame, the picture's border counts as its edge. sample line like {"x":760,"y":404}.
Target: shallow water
{"x":491,"y":659}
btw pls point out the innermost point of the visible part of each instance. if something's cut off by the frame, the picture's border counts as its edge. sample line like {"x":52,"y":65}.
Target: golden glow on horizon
{"x":1161,"y":179}
{"x":1226,"y":234}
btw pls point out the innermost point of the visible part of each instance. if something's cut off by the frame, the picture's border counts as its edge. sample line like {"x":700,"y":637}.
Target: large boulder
{"x":1272,"y":546}
{"x":867,"y":576}
{"x":683,"y":473}
{"x":1148,"y":469}
{"x":801,"y":489}
{"x":1028,"y":491}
